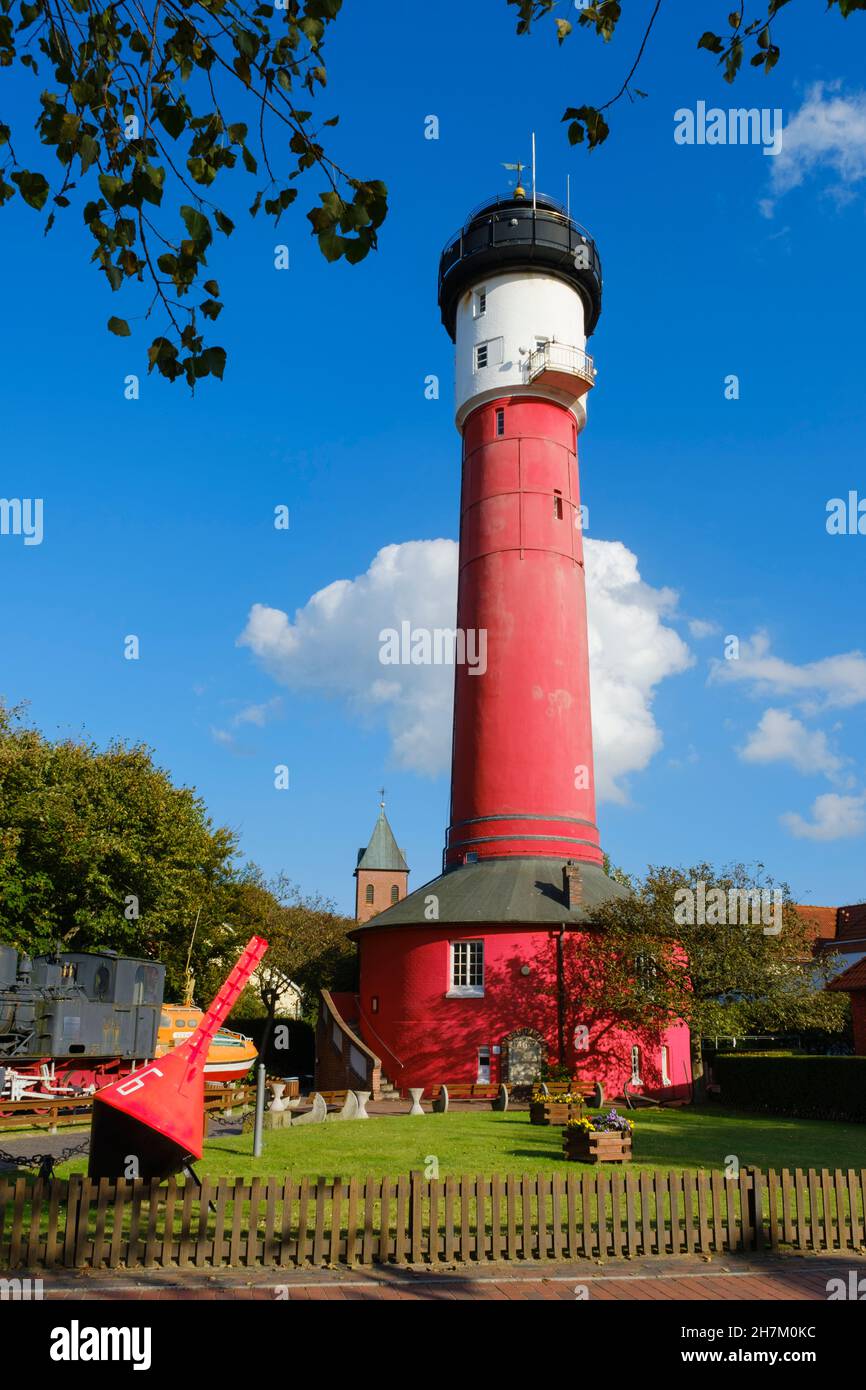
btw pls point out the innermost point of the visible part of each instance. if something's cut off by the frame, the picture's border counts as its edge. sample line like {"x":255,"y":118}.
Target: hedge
{"x":820,"y":1088}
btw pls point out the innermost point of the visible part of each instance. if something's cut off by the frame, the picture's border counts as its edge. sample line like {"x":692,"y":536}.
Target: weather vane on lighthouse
{"x":519,"y":190}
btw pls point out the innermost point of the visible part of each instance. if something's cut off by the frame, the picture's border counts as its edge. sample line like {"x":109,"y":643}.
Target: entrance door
{"x":525,"y":1056}
{"x":483,"y":1077}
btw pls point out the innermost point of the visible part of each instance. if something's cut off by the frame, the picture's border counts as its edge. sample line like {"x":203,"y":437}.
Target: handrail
{"x":365,"y":1020}
{"x":563,"y":355}
{"x":349,"y":1032}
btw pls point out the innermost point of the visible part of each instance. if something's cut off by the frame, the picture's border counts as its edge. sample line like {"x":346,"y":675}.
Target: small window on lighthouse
{"x":480,"y":303}
{"x":557,"y":505}
{"x":481,"y":356}
{"x":500,"y":422}
{"x":467,"y":970}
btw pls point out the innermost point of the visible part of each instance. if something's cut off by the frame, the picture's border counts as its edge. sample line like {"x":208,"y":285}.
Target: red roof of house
{"x":852,"y":923}
{"x":854,"y":978}
{"x":821,"y":919}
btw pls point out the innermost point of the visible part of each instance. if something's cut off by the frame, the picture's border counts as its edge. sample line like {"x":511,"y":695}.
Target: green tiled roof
{"x":382,"y":852}
{"x":512,"y":889}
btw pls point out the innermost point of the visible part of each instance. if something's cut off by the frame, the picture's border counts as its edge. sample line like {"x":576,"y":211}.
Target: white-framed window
{"x":635,"y":1066}
{"x":500,"y":423}
{"x":466,"y":979}
{"x":490,"y":353}
{"x":480,"y":303}
{"x":666,"y":1066}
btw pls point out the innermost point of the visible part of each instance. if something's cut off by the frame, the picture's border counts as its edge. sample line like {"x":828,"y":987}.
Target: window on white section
{"x":467,"y":969}
{"x":666,"y":1071}
{"x":480,"y":303}
{"x":481,"y":355}
{"x":635,"y":1066}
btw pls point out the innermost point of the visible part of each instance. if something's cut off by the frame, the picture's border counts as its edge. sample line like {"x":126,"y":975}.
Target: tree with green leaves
{"x":136,"y":102}
{"x":742,"y":34}
{"x":307,"y":939}
{"x":727,"y":975}
{"x":99,"y":850}
{"x":146,"y":106}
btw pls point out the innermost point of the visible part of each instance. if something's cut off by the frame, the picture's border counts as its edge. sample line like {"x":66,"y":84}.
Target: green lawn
{"x":486,"y":1141}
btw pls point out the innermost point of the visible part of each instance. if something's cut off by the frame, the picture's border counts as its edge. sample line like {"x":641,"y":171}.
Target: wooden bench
{"x":459,"y":1090}
{"x":337,"y":1098}
{"x":492,"y":1095}
{"x":591,"y":1091}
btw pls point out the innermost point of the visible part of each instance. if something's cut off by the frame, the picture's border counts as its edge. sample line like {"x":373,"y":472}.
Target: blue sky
{"x":158,"y":512}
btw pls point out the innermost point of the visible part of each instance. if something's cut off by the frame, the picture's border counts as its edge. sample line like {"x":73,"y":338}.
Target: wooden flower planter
{"x":552,"y":1112}
{"x":599,"y":1146}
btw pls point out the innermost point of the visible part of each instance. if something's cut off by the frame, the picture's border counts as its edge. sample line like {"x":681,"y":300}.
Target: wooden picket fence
{"x":58,"y":1112}
{"x":278,"y":1222}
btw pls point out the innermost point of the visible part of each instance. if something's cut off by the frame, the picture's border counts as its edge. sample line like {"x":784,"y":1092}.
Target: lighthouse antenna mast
{"x":533,"y":172}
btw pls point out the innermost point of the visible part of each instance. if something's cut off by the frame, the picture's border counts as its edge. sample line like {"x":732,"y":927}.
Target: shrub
{"x":820,"y":1088}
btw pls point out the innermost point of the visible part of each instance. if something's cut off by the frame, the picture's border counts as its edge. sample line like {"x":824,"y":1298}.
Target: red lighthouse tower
{"x":520,"y":291}
{"x":476,"y":975}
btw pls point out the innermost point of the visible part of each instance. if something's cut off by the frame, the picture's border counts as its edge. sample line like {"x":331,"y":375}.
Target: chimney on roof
{"x":572,"y":884}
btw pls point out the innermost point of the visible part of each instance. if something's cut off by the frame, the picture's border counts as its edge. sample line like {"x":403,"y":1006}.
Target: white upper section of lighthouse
{"x":521,"y":334}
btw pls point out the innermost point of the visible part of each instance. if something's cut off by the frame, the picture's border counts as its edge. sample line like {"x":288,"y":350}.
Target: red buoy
{"x":152,"y":1122}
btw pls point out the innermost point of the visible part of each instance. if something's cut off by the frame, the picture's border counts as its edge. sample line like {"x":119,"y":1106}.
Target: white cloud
{"x":259,"y":714}
{"x":331,"y":647}
{"x":834,"y":817}
{"x":827,"y":133}
{"x":700,"y":628}
{"x":834,"y":682}
{"x":780,"y":738}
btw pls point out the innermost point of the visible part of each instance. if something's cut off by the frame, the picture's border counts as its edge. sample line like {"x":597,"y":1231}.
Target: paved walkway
{"x":791,"y":1278}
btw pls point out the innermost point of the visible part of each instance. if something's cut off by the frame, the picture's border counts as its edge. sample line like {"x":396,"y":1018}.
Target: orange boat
{"x":229,"y":1056}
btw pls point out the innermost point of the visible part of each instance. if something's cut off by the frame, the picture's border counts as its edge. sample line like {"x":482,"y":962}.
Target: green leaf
{"x":224,"y":223}
{"x":32,"y":187}
{"x":586,"y":123}
{"x":213,"y":360}
{"x":88,"y":152}
{"x":119,"y":326}
{"x":197,"y":225}
{"x":112,"y":189}
{"x":712,"y":42}
{"x":211,"y":308}
{"x":172,"y":119}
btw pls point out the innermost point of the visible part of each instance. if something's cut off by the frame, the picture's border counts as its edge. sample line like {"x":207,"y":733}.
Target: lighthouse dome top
{"x":510,"y":232}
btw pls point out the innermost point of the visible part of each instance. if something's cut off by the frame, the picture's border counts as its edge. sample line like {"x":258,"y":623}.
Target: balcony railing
{"x":559,"y":359}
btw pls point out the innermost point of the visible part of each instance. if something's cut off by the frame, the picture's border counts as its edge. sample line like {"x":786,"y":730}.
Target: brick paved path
{"x":729,"y":1280}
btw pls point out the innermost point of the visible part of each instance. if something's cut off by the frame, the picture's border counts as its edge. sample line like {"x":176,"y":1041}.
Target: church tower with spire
{"x":382,"y":874}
